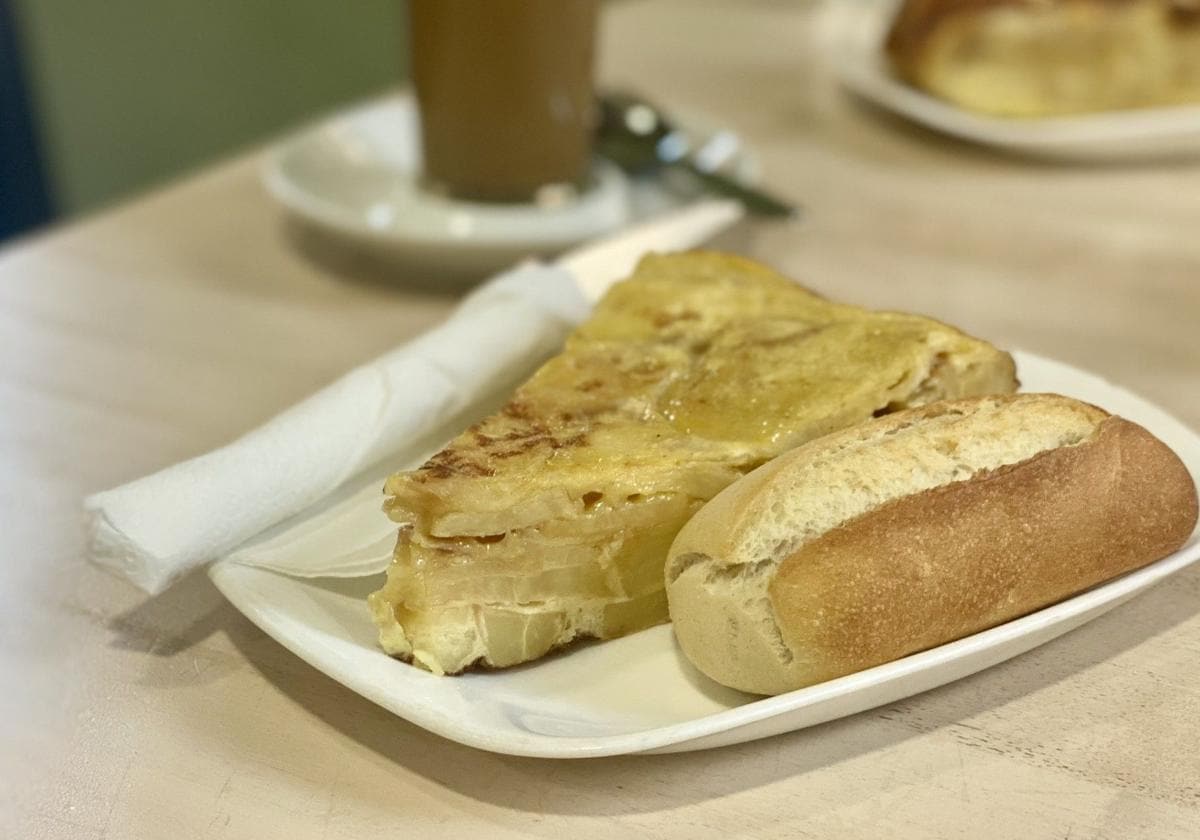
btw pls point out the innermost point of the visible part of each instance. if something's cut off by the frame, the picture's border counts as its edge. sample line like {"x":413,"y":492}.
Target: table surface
{"x":164,"y":327}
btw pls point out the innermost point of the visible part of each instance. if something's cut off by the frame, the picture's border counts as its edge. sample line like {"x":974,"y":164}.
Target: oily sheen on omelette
{"x":551,"y":519}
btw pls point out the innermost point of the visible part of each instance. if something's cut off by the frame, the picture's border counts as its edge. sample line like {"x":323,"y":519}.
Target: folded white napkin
{"x":340,"y":441}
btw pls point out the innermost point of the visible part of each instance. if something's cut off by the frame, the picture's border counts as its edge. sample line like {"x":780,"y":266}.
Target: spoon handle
{"x":756,"y":201}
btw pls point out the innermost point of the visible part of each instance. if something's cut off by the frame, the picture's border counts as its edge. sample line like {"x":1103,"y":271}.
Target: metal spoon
{"x":640,"y":139}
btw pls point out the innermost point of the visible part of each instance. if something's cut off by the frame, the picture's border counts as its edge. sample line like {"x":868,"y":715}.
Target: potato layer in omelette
{"x":550,"y":520}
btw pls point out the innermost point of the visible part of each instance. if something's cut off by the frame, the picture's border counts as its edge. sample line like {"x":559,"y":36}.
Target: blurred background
{"x":99,"y":100}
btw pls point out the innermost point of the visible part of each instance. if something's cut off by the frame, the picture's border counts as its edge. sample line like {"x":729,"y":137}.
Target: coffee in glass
{"x":505,"y":94}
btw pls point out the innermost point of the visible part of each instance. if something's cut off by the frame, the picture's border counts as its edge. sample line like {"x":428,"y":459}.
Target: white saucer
{"x":856,"y":31}
{"x":355,"y":175}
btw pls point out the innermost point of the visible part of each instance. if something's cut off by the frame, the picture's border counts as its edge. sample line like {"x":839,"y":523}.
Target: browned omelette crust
{"x":939,"y":565}
{"x":522,"y":433}
{"x":706,"y":360}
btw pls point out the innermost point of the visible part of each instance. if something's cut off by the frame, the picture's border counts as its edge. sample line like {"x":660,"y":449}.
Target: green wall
{"x":129,"y":92}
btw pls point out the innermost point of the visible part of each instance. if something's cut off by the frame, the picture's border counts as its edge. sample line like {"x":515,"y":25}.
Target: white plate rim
{"x":232,"y":580}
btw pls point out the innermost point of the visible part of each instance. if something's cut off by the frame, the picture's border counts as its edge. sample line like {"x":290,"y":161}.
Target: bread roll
{"x":916,"y":529}
{"x":1040,"y":58}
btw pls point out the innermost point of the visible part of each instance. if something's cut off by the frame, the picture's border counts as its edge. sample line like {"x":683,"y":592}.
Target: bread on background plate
{"x":1043,"y":58}
{"x":916,"y":529}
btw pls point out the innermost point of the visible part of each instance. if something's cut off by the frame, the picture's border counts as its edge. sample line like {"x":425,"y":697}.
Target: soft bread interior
{"x":723,"y":561}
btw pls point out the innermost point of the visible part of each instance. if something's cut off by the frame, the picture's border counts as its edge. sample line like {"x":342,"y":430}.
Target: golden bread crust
{"x":915,"y":529}
{"x":929,"y":568}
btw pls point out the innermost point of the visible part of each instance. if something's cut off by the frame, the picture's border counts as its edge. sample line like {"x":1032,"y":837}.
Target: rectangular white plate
{"x":856,"y":30}
{"x":639,"y":694}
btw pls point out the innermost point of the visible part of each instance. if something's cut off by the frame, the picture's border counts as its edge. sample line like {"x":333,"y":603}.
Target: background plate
{"x":638,"y":694}
{"x":856,"y":30}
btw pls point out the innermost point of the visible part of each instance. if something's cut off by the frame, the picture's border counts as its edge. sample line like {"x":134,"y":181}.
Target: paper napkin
{"x":340,"y":441}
